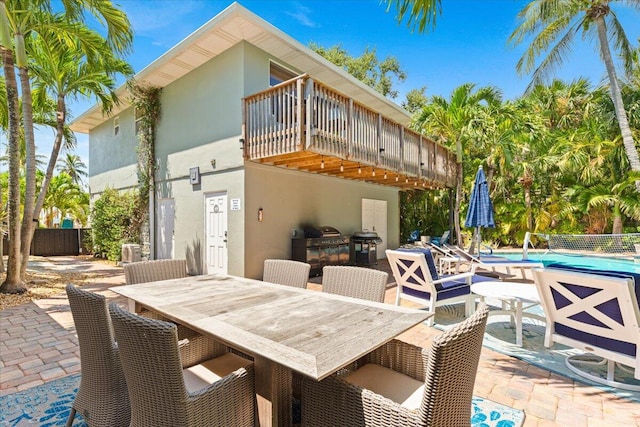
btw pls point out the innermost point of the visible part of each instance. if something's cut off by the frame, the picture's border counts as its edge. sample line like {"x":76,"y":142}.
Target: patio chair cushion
{"x":200,"y":376}
{"x":393,"y":385}
{"x":446,"y":290}
{"x":611,"y":309}
{"x":622,"y":274}
{"x":429,"y":257}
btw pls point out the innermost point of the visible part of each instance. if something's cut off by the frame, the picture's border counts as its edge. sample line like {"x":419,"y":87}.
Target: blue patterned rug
{"x":48,"y":405}
{"x":501,"y":337}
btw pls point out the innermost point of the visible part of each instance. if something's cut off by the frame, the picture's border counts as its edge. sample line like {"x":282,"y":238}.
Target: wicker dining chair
{"x":152,"y":271}
{"x":400,"y":384}
{"x":356,"y":282}
{"x":286,"y":272}
{"x":102,"y":397}
{"x":217,"y":392}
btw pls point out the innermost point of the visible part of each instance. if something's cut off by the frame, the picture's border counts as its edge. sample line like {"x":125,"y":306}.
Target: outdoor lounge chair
{"x":286,"y":272}
{"x":102,"y":397}
{"x":400,"y":384}
{"x":216,"y":392}
{"x":418,"y":280}
{"x":153,"y":271}
{"x":492,"y":262}
{"x":596,"y":312}
{"x":355,"y":282}
{"x":442,"y":240}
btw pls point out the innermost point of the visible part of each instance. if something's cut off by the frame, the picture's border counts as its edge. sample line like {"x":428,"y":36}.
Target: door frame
{"x":207,"y":196}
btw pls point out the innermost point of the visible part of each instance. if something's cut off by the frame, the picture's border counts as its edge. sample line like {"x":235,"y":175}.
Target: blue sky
{"x":469,"y":43}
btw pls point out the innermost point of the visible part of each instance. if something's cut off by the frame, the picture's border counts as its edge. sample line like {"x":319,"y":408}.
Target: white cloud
{"x":301,"y":15}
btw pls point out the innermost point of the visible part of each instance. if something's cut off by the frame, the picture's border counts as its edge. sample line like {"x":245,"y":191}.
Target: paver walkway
{"x":38,"y":344}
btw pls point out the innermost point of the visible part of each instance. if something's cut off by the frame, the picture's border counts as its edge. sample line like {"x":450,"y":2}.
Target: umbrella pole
{"x":478,"y":239}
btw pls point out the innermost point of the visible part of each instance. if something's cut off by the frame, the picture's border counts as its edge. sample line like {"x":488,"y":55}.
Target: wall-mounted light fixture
{"x":242,"y":143}
{"x":260,"y":215}
{"x":322,"y":163}
{"x":385,"y":175}
{"x":213,"y":163}
{"x":359,"y":169}
{"x":341,"y":165}
{"x":373,"y":172}
{"x":194,"y":175}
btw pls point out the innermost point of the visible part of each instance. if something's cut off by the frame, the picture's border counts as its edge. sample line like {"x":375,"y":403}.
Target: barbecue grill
{"x":363,"y":248}
{"x":320,"y":246}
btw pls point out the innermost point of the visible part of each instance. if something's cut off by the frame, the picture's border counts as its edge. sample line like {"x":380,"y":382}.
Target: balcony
{"x":303,"y":124}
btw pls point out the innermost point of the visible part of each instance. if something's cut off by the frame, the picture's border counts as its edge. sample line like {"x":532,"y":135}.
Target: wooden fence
{"x":57,"y":242}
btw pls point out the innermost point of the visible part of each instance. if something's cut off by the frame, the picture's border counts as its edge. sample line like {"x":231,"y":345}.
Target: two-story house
{"x":258,"y":137}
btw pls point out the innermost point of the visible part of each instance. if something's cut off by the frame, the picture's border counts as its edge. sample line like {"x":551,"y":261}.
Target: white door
{"x":165,"y":231}
{"x":216,"y":229}
{"x":374,"y":218}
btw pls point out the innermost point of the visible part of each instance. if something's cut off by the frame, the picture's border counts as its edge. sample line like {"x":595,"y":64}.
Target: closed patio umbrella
{"x":480,"y":213}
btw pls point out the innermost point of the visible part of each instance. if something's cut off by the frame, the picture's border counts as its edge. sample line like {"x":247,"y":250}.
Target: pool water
{"x":592,"y":262}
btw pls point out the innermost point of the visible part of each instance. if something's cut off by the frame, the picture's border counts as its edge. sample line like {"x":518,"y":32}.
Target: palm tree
{"x":62,"y":71}
{"x":455,"y":123}
{"x":22,"y":20}
{"x":420,"y":14}
{"x":558,"y":21}
{"x":73,"y":166}
{"x":65,"y":196}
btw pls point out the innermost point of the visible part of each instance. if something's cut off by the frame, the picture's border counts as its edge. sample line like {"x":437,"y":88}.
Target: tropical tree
{"x":456,"y":123}
{"x":26,"y":21}
{"x":61,"y":71}
{"x":367,"y":68}
{"x":420,"y":14}
{"x":553,"y":25}
{"x":73,"y":166}
{"x":65,"y":197}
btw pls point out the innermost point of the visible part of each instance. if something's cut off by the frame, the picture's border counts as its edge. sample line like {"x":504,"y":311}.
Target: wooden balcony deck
{"x":303,"y":124}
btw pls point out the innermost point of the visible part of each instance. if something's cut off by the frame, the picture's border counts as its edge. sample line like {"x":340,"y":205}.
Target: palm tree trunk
{"x":28,"y":221}
{"x":459,"y":184}
{"x":456,"y":215}
{"x":617,"y":220}
{"x":13,"y":283}
{"x":55,"y":152}
{"x":616,"y":95}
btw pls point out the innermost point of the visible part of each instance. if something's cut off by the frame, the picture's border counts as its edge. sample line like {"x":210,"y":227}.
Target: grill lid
{"x":365,"y":234}
{"x":321,"y":231}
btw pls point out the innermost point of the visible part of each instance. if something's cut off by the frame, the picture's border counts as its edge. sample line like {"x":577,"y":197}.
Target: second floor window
{"x":278,"y":74}
{"x":116,"y":125}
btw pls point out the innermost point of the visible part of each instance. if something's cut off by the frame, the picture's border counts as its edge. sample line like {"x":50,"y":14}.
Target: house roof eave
{"x":231,"y":26}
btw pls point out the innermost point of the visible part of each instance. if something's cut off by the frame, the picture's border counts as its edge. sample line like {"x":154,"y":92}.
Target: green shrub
{"x":111,"y":216}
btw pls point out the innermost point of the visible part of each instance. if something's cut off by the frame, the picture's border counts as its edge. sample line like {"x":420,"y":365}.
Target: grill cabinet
{"x":321,"y":246}
{"x":364,"y":248}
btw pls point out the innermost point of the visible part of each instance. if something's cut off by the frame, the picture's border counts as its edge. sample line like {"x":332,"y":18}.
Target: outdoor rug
{"x":48,"y":405}
{"x":500,"y":336}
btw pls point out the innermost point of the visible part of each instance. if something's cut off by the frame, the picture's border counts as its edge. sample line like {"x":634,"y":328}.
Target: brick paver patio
{"x":38,"y":344}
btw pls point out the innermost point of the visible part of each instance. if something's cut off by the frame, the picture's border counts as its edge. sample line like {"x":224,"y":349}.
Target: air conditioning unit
{"x":131,"y":253}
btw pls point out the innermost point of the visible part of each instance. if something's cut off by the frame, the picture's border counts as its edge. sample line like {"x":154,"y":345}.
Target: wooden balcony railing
{"x":304,"y":124}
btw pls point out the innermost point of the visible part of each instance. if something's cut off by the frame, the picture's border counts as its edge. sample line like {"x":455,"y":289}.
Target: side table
{"x":512,"y":295}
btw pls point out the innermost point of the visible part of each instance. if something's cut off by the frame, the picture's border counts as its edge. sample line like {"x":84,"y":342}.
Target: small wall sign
{"x":235,"y":204}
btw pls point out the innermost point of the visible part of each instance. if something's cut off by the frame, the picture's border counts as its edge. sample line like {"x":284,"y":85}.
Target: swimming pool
{"x":592,"y":262}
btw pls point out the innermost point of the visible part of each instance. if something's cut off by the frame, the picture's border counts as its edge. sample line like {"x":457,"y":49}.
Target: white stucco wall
{"x":113,"y":158}
{"x":201,"y":121}
{"x":290,"y":199}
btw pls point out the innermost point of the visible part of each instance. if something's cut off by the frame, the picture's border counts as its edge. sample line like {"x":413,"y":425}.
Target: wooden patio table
{"x":285,"y":329}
